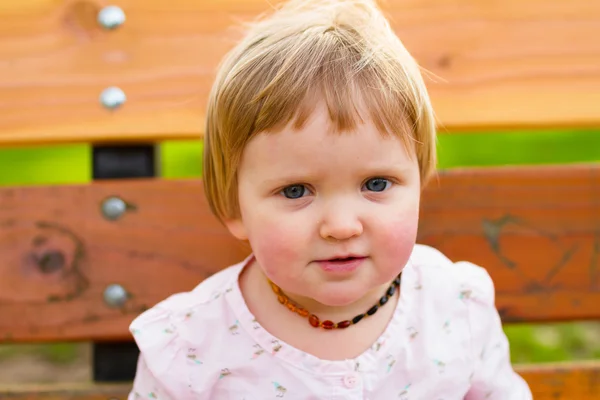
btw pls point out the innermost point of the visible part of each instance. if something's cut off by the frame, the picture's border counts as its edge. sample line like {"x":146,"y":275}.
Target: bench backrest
{"x":79,"y":262}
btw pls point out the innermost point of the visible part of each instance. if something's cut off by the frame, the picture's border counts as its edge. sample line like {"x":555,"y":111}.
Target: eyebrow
{"x":287,"y":180}
{"x":387,"y":170}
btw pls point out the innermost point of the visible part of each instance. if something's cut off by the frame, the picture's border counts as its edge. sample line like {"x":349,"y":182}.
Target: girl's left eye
{"x":377,"y":184}
{"x":294,"y":191}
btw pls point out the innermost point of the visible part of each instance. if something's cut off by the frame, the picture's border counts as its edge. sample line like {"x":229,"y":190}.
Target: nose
{"x":340,"y":223}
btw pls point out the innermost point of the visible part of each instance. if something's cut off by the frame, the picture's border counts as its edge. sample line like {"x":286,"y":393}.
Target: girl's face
{"x":330,"y":217}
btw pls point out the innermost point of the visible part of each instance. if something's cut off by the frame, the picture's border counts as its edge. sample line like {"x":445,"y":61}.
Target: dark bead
{"x":391,"y":290}
{"x":356,"y":319}
{"x":372,"y":310}
{"x":397,"y":281}
{"x":314,"y":320}
{"x":383,"y":300}
{"x":344,"y":324}
{"x":328,"y":324}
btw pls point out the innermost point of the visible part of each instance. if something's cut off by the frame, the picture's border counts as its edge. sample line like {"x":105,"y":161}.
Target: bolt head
{"x":113,"y":208}
{"x":115,"y":296}
{"x":111,"y":17}
{"x":112,"y":98}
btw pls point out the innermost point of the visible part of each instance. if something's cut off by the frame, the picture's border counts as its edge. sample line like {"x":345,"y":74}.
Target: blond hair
{"x":342,"y":52}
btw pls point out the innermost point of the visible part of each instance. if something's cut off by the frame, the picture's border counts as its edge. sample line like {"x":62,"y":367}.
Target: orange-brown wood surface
{"x":568,"y":381}
{"x":65,"y":391}
{"x":497,"y":64}
{"x":58,"y":255}
{"x":573,"y":381}
{"x":536,"y":230}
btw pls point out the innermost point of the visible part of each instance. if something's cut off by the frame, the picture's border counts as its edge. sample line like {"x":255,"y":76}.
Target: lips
{"x":342,"y":264}
{"x":343,"y":258}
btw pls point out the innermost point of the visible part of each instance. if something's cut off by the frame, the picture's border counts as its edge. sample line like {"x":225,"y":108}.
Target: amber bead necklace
{"x":314,"y":321}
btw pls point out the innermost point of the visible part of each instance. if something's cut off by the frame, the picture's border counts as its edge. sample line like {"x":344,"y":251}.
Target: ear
{"x":236,"y":228}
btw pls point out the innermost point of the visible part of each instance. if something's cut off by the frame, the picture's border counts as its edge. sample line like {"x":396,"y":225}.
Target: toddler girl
{"x":319,"y":140}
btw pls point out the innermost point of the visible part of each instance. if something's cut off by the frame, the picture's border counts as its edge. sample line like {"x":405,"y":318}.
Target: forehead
{"x":316,"y":145}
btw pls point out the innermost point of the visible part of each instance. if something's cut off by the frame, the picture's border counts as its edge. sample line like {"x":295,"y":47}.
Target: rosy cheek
{"x":398,"y":238}
{"x":277,"y":249}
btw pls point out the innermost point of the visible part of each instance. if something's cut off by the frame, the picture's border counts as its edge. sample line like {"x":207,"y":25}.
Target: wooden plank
{"x":64,"y":391}
{"x":563,"y":381}
{"x":58,"y":255}
{"x":536,"y":230}
{"x":579,"y":381}
{"x":532,"y":63}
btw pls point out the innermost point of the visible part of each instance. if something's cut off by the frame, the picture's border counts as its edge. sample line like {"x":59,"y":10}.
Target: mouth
{"x":344,"y":259}
{"x":344,"y":263}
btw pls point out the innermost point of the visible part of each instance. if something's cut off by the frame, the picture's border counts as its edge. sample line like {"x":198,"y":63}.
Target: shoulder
{"x":183,"y":322}
{"x":458,"y":280}
{"x":460,"y":294}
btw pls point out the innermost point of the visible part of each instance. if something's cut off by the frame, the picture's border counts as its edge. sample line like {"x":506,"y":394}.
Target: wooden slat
{"x":563,"y":381}
{"x":532,"y":63}
{"x":536,"y":230}
{"x":580,"y":381}
{"x":64,"y":391}
{"x":58,"y":254}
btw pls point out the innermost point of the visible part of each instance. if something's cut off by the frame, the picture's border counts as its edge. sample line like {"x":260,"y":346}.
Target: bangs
{"x":334,"y":68}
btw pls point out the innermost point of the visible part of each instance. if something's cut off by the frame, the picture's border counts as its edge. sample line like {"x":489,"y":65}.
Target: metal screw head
{"x":112,"y":97}
{"x":115,"y":295}
{"x":113,"y":208}
{"x":111,"y":17}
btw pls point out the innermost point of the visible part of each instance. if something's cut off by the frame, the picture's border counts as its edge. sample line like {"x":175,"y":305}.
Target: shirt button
{"x":351,"y":380}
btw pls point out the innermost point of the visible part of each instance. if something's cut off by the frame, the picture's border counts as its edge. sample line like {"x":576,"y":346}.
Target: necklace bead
{"x":391,"y":290}
{"x":373,"y":310}
{"x":328,"y":324}
{"x":302,"y":312}
{"x":344,"y":324}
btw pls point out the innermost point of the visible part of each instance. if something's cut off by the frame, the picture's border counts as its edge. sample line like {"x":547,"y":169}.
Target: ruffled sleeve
{"x":161,"y":372}
{"x":493,"y":376}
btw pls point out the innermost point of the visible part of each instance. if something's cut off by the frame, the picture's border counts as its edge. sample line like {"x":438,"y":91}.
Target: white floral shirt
{"x":445,"y":341}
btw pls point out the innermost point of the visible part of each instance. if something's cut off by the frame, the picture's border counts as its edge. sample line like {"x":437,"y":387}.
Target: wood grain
{"x":64,"y":391}
{"x":570,"y":381}
{"x":515,"y":63}
{"x":58,"y":255}
{"x":563,"y":381}
{"x":537,"y":230}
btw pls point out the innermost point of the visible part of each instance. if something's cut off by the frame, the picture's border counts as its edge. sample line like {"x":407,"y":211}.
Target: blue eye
{"x":294,"y":191}
{"x":377,"y":184}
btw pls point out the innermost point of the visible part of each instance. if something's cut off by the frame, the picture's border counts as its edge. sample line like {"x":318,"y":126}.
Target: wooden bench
{"x":79,"y":262}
